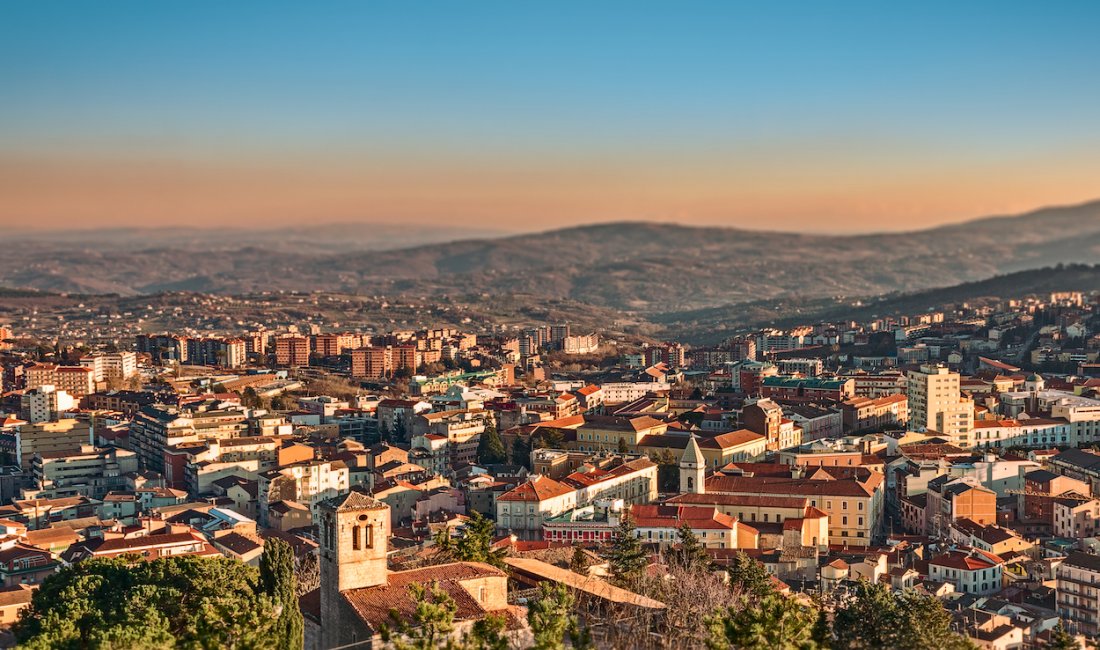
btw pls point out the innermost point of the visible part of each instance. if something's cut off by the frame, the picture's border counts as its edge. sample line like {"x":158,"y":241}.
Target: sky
{"x":516,"y":115}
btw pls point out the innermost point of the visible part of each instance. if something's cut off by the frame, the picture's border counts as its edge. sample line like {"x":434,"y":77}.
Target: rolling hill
{"x":647,"y":268}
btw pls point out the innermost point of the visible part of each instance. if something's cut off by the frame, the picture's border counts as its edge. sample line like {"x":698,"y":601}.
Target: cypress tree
{"x":278,"y":581}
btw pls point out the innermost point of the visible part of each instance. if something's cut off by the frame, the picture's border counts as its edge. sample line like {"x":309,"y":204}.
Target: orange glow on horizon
{"x":43,"y":193}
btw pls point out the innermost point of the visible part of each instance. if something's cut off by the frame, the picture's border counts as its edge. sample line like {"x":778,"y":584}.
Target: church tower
{"x":354,"y":531}
{"x":693,"y":469}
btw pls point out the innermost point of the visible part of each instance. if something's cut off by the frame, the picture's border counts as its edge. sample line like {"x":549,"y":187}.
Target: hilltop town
{"x":505,"y":467}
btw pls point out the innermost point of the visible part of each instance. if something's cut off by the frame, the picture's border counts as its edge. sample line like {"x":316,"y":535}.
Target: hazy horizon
{"x":490,"y":232}
{"x":851,"y":118}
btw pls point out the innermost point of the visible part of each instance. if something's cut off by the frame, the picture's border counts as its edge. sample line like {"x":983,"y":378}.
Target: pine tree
{"x":549,"y":615}
{"x":476,"y":542}
{"x":278,"y":581}
{"x":776,"y":622}
{"x":750,"y":576}
{"x":623,"y":447}
{"x":432,"y":620}
{"x":691,"y":554}
{"x":490,"y":446}
{"x":823,"y":631}
{"x":875,"y":617}
{"x":1060,"y":639}
{"x":488,"y":633}
{"x":627,"y":557}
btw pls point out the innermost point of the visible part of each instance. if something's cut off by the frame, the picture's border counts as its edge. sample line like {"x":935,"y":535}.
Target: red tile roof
{"x":538,"y":488}
{"x":374,"y":604}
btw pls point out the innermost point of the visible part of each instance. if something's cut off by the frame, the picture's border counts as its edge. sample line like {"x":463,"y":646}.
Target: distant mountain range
{"x":649,"y":268}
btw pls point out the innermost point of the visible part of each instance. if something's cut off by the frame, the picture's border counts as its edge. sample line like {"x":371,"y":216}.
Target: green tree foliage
{"x":541,"y":439}
{"x":488,"y":634}
{"x":775,"y":623}
{"x":1060,"y":639}
{"x":623,"y":447}
{"x":579,"y":562}
{"x":183,"y":602}
{"x":490,"y":446}
{"x":750,"y":576}
{"x":476,"y":542}
{"x":877,"y":618}
{"x":628,"y":559}
{"x":550,"y":616}
{"x":690,"y":554}
{"x":280,"y":584}
{"x":823,"y":631}
{"x":432,"y":625}
{"x":668,"y":470}
{"x":521,"y":451}
{"x":432,"y":620}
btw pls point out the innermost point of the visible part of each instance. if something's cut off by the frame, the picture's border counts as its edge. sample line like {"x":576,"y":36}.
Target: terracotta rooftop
{"x":537,"y":488}
{"x":374,"y":604}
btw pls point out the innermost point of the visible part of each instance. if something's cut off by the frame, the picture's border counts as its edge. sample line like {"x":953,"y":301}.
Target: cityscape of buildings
{"x":954,"y":452}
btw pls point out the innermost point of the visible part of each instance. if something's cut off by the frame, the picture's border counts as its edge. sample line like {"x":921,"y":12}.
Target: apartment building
{"x":971,"y":571}
{"x":292,"y":350}
{"x":78,"y":381}
{"x":461,"y":428}
{"x":603,"y":432}
{"x":524,"y":509}
{"x":1077,"y":593}
{"x":307,"y":483}
{"x":372,"y":363}
{"x":1032,"y":432}
{"x":335,"y":344}
{"x":44,"y":404}
{"x":936,"y":404}
{"x":1076,"y":516}
{"x":950,"y":499}
{"x":91,"y":472}
{"x":876,"y":414}
{"x":213,"y":351}
{"x":111,"y":366}
{"x":65,"y":436}
{"x":765,"y":417}
{"x":812,"y":388}
{"x":156,"y":428}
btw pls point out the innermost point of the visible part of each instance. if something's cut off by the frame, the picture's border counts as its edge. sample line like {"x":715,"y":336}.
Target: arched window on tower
{"x":368,"y":535}
{"x":355,"y":538}
{"x":691,"y":484}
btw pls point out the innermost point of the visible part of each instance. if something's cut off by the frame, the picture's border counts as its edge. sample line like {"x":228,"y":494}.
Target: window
{"x":355,"y":538}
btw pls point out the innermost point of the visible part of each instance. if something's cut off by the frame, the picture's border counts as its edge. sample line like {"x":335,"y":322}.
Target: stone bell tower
{"x":354,"y":531}
{"x":693,"y":469}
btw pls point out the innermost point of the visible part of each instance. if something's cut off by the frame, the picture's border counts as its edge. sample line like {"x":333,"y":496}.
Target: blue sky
{"x":869,"y":115}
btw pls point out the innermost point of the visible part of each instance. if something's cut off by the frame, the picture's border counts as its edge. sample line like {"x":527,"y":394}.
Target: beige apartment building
{"x":49,"y":439}
{"x":936,"y":404}
{"x":78,"y":381}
